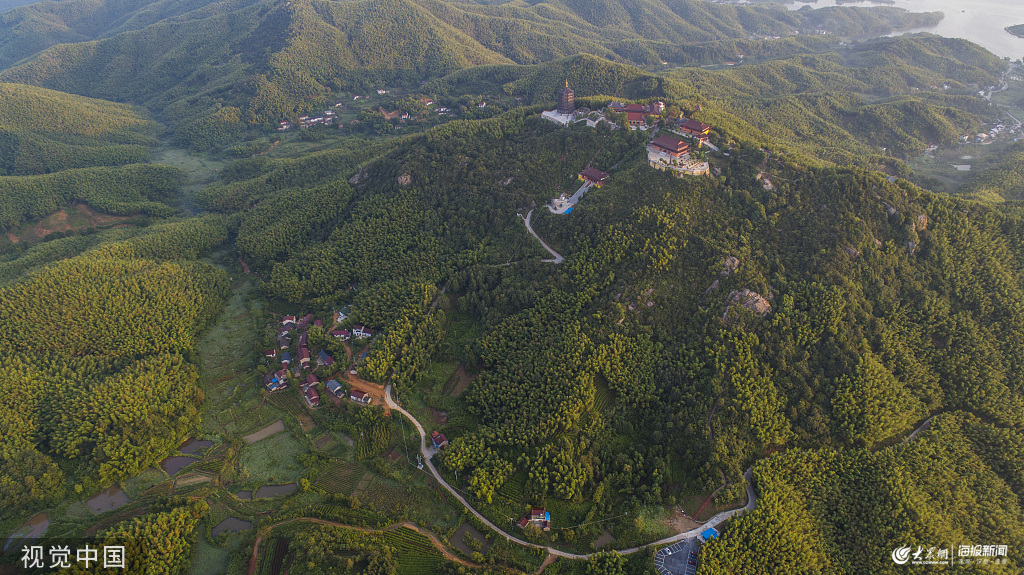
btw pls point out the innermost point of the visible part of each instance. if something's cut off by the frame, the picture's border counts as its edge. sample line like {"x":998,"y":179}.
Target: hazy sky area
{"x":980,"y":21}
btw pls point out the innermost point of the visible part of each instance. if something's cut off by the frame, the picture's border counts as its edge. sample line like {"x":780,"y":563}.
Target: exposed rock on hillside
{"x":751,"y":300}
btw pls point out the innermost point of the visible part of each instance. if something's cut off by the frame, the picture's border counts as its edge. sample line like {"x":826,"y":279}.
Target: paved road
{"x":558,"y":257}
{"x":428,"y":451}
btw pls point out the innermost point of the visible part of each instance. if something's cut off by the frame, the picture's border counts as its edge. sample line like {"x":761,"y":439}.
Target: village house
{"x":361,"y":332}
{"x":312,"y":397}
{"x":288,"y":320}
{"x":310,"y":380}
{"x":304,"y":357}
{"x":335,"y":387}
{"x":283,"y":341}
{"x":538,"y":516}
{"x":286,"y":358}
{"x":342,"y":334}
{"x":438,"y":439}
{"x":304,"y":321}
{"x":270,"y":353}
{"x":318,"y":323}
{"x":342,"y":314}
{"x":303,"y":339}
{"x":359,"y":396}
{"x":593,"y":176}
{"x":276,"y":381}
{"x":324,"y":359}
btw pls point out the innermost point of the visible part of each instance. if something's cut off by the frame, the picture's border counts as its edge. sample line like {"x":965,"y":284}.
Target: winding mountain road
{"x":428,"y":451}
{"x":558,"y":257}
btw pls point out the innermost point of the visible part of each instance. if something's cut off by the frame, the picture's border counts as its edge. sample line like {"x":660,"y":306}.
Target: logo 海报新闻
{"x":901,"y":555}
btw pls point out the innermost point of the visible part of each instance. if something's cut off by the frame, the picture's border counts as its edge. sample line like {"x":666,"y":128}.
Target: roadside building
{"x":438,"y":439}
{"x":593,"y":176}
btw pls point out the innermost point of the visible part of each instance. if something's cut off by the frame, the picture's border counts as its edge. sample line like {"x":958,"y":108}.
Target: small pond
{"x":194,"y":445}
{"x":231,"y":525}
{"x":107,"y":500}
{"x":175,"y":464}
{"x":244,"y":495}
{"x":32,"y":529}
{"x":275,"y":490}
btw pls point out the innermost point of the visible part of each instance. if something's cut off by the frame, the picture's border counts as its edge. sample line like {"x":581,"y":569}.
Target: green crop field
{"x":416,"y":555}
{"x":342,"y":478}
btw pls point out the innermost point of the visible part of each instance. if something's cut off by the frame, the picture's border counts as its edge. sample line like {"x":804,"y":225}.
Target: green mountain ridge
{"x":180,"y":57}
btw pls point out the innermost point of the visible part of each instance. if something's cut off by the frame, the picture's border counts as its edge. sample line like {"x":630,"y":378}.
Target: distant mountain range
{"x":273,"y":56}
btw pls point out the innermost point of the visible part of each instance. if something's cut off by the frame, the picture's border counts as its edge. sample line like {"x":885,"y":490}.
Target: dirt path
{"x":276,"y":427}
{"x":547,"y":561}
{"x":433,"y":539}
{"x":372,"y":389}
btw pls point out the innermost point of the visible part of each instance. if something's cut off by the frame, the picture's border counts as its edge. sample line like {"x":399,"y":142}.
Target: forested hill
{"x":44,"y":131}
{"x":839,"y":106}
{"x":646,"y":365}
{"x":180,"y":57}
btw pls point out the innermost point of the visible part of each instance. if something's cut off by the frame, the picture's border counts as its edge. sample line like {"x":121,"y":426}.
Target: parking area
{"x":675,"y":560}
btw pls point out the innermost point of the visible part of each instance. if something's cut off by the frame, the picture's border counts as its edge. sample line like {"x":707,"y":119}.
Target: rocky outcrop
{"x":921,"y":223}
{"x":359,"y":177}
{"x":751,"y":300}
{"x":853,"y":252}
{"x":404,"y":180}
{"x":732,"y":263}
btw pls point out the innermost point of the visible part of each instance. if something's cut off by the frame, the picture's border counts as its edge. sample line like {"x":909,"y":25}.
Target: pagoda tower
{"x":566,"y":100}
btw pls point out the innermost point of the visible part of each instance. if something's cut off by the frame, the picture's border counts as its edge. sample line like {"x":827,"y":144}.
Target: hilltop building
{"x":670,"y":145}
{"x":566,"y":100}
{"x":565,"y":113}
{"x":671,"y":154}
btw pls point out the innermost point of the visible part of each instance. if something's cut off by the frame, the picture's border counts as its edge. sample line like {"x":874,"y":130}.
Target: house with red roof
{"x":438,"y":439}
{"x":312,"y":397}
{"x":359,"y":396}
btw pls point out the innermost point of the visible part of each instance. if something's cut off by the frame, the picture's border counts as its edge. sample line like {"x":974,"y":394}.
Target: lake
{"x":980,"y":21}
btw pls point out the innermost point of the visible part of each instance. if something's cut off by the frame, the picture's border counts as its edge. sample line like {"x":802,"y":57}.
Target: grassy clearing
{"x":272,"y":460}
{"x":207,"y":559}
{"x":199,"y":169}
{"x":135,"y":486}
{"x":234,"y":397}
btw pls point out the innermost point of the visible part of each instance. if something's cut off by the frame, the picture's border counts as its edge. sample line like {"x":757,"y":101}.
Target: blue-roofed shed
{"x":708,"y":534}
{"x":568,"y":210}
